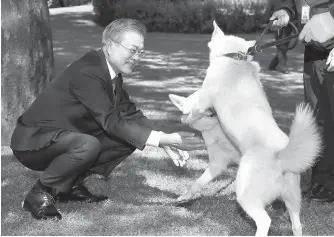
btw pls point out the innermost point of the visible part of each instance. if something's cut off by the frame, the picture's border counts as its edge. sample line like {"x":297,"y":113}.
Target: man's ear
{"x":216,"y":30}
{"x":177,"y":100}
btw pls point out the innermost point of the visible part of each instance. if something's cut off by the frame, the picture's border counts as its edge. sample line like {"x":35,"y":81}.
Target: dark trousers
{"x":323,"y":171}
{"x":73,"y":157}
{"x":318,"y":91}
{"x":313,"y":77}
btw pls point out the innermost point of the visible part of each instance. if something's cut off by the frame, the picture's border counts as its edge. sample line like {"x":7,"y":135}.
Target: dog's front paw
{"x":192,"y":117}
{"x":178,"y":156}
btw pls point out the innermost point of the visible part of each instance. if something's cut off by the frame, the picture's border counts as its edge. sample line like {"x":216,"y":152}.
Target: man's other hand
{"x":319,"y":28}
{"x":282,"y":18}
{"x":186,"y":141}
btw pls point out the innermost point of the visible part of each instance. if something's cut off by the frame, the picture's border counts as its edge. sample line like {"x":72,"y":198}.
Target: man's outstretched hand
{"x":185,"y":141}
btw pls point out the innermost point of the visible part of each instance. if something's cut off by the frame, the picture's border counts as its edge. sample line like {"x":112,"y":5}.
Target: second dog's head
{"x":186,"y":103}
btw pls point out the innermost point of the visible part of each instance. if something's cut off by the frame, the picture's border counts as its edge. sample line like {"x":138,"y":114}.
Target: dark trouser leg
{"x":62,"y":161}
{"x":313,"y":78}
{"x":282,"y":57}
{"x":274,"y":62}
{"x":113,"y":152}
{"x":323,"y":172}
{"x":282,"y":54}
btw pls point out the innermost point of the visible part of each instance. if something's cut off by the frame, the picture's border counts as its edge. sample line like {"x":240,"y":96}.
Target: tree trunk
{"x":27,"y":63}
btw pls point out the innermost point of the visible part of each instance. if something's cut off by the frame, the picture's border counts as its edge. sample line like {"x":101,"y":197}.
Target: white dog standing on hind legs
{"x":270,"y":161}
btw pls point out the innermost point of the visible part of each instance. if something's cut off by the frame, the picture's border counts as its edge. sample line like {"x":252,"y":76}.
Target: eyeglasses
{"x":133,"y":52}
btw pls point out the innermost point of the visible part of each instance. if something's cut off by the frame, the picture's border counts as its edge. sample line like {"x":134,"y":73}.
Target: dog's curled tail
{"x":304,"y":142}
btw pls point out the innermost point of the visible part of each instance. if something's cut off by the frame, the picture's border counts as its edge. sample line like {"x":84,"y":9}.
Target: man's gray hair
{"x":116,"y":29}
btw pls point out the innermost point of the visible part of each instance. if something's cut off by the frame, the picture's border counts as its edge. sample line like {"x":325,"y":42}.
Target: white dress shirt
{"x":154,"y":138}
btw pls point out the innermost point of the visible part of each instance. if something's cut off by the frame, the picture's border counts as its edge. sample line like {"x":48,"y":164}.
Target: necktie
{"x":118,"y":88}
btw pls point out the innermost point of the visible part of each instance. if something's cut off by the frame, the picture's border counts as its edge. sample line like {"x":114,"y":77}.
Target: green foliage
{"x":66,"y":3}
{"x":189,"y":16}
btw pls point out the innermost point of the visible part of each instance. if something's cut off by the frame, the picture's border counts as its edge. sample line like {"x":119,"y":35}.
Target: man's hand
{"x":182,"y":140}
{"x":178,"y":156}
{"x":282,"y":17}
{"x":319,"y":28}
{"x":330,"y":61}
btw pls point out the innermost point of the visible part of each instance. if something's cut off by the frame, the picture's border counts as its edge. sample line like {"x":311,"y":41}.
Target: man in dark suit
{"x":83,"y":125}
{"x":318,"y":36}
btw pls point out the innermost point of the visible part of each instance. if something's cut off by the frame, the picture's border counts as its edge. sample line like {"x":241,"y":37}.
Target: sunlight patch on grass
{"x":6,"y":182}
{"x":167,"y":84}
{"x":278,"y":77}
{"x":283,"y":115}
{"x":5,"y":150}
{"x":161,"y":181}
{"x":77,"y":220}
{"x":196,"y":164}
{"x":11,"y":217}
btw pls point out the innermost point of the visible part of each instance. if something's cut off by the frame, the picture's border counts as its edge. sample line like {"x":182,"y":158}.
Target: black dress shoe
{"x":40,"y":203}
{"x":313,"y":190}
{"x":81,"y":194}
{"x":325,"y":195}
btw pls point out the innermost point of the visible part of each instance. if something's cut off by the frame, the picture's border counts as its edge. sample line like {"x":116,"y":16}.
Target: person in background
{"x":318,"y":76}
{"x":279,"y":62}
{"x":84,"y":124}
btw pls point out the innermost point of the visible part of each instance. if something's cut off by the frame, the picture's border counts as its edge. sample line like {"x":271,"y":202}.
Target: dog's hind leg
{"x":249,"y":192}
{"x":257,"y":212}
{"x":217,"y":165}
{"x":292,"y":198}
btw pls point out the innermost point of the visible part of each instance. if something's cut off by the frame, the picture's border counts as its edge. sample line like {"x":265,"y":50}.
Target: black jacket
{"x":81,"y":99}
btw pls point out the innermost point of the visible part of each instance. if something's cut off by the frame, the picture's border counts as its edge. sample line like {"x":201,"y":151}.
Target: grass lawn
{"x":143,"y":186}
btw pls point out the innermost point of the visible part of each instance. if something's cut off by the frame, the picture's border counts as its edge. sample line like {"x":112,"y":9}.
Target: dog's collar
{"x":236,"y":56}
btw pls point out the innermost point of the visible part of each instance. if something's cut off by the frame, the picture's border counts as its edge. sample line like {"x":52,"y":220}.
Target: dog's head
{"x":184,"y":104}
{"x":221,"y":44}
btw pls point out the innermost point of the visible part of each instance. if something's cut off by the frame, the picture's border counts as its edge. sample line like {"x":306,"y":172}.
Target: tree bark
{"x":27,"y":62}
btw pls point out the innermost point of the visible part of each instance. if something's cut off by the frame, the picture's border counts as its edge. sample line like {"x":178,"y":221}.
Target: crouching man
{"x":84,"y":123}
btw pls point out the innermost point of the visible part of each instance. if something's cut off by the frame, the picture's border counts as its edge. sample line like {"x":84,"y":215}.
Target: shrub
{"x":66,"y":3}
{"x":188,"y":16}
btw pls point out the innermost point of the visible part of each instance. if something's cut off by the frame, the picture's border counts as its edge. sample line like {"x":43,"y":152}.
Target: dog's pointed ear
{"x":177,"y":100}
{"x":216,"y":30}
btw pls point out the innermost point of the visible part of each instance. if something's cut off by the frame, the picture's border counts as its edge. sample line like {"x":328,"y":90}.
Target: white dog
{"x":270,"y":161}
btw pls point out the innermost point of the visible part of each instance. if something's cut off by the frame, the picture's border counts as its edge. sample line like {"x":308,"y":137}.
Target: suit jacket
{"x":81,"y":99}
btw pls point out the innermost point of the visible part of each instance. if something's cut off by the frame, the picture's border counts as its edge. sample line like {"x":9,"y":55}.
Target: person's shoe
{"x":282,"y":69}
{"x":313,"y":190}
{"x":325,"y":195}
{"x":81,"y":194}
{"x":40,"y":202}
{"x":97,"y":184}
